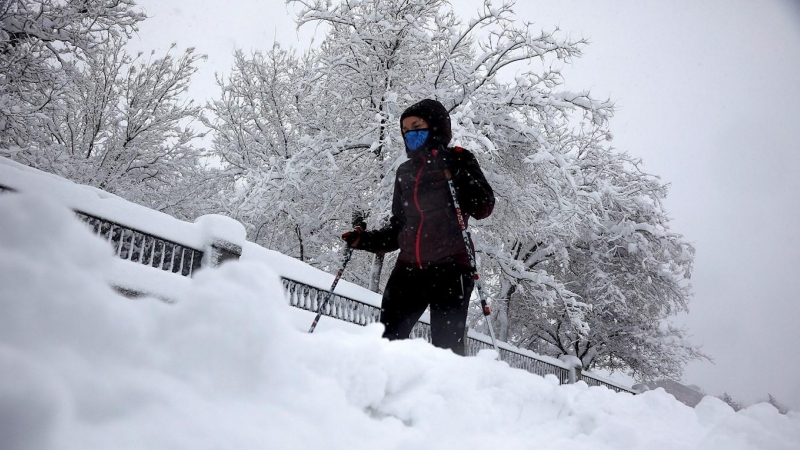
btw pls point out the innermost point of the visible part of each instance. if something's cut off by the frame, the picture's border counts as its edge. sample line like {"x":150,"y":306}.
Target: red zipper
{"x":421,"y":215}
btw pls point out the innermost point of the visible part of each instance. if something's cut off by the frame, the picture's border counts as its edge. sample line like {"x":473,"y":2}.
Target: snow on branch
{"x":577,"y":255}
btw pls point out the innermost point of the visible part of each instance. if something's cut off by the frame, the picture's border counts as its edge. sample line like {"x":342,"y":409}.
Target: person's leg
{"x":402,"y":303}
{"x":449,"y":309}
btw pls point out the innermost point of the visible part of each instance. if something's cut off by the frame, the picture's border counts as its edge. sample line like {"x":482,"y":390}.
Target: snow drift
{"x":228,"y":366}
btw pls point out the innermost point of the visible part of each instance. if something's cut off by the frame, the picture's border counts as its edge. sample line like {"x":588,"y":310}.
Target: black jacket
{"x":424,"y":225}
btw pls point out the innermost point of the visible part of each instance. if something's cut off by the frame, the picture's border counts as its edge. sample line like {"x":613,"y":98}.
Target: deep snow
{"x":229,"y":365}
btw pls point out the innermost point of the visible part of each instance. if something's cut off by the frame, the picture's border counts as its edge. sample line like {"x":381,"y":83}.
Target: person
{"x":433,"y":267}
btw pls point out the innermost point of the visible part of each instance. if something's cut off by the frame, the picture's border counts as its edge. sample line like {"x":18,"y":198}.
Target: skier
{"x":433,"y":268}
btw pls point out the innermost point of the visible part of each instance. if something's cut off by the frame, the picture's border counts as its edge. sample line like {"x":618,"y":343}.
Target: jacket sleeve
{"x":475,"y":195}
{"x":385,"y":239}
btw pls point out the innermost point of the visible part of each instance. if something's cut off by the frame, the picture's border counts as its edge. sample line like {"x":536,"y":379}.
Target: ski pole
{"x":347,"y":255}
{"x":478,"y":281}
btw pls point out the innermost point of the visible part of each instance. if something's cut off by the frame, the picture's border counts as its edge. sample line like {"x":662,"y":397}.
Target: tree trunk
{"x":506,"y":289}
{"x":300,"y":242}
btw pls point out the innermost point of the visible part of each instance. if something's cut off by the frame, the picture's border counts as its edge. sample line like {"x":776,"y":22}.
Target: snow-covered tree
{"x":379,"y":57}
{"x":257,"y":134}
{"x":578,"y":253}
{"x":76,"y":104}
{"x":146,"y":148}
{"x":627,"y":269}
{"x":41,"y":44}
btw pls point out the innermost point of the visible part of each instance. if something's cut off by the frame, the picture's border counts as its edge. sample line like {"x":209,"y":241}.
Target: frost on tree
{"x":74,"y":103}
{"x":42,"y":44}
{"x":578,"y":254}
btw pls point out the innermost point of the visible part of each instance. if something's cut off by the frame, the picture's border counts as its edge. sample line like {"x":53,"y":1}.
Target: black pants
{"x":445,"y":288}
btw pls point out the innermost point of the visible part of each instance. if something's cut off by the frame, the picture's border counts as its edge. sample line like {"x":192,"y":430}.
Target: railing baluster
{"x":172,"y":260}
{"x":141,"y":249}
{"x":152,"y":253}
{"x":121,"y":240}
{"x":131,"y":246}
{"x":163,"y":254}
{"x":183,"y":254}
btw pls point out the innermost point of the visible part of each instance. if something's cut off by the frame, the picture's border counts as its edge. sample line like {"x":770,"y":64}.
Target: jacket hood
{"x":437,"y":117}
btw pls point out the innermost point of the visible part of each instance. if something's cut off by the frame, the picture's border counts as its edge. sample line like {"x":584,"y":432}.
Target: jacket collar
{"x":426,"y":152}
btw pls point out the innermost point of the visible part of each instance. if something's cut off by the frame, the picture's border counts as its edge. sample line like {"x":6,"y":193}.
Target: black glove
{"x":450,"y":161}
{"x":352,"y":237}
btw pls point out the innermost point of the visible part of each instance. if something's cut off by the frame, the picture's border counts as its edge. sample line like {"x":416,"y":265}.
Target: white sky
{"x":707,"y":95}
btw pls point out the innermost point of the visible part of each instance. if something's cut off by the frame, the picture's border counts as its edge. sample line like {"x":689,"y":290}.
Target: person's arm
{"x":385,"y":239}
{"x":475,"y":195}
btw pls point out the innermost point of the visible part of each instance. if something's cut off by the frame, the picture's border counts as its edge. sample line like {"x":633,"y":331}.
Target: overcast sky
{"x":708,"y":95}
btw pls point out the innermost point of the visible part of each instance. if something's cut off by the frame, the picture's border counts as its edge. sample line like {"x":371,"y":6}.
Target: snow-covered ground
{"x":229,"y":366}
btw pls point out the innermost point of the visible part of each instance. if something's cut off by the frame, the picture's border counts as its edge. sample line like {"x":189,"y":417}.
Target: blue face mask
{"x":415,"y":139}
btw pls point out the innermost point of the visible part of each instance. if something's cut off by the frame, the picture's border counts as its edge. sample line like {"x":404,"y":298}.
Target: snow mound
{"x":226,"y":367}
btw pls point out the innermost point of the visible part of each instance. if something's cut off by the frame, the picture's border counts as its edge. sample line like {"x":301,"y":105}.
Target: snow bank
{"x":100,"y":203}
{"x":227,"y":366}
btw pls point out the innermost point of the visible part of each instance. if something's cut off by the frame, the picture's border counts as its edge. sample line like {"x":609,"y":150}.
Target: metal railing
{"x":346,"y":309}
{"x":592,"y":381}
{"x":143,"y":248}
{"x":137,"y":246}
